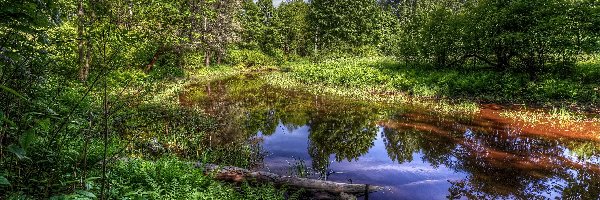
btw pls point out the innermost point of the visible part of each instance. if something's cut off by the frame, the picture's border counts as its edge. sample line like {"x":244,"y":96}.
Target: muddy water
{"x":414,"y":153}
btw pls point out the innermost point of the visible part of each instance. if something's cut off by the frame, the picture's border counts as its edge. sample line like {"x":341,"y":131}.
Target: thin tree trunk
{"x":219,"y":59}
{"x":153,"y":60}
{"x":207,"y":58}
{"x":83,"y":68}
{"x":88,"y":60}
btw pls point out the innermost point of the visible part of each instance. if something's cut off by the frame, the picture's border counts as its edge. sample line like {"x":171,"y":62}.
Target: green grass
{"x":469,"y":83}
{"x":441,"y":90}
{"x":441,"y":106}
{"x":555,"y":116}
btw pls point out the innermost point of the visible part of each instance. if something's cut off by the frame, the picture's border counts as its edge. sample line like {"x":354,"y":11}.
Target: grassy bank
{"x":385,"y":74}
{"x":443,"y":90}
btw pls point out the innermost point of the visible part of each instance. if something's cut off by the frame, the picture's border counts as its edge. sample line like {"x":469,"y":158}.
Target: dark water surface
{"x":414,"y":153}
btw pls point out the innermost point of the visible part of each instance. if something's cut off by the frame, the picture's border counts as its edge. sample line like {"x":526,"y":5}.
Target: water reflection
{"x":416,"y":154}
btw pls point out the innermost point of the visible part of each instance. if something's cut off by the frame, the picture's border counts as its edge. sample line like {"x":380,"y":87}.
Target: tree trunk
{"x":239,"y":175}
{"x":153,"y":60}
{"x":503,"y":57}
{"x":83,"y":67}
{"x":88,"y":58}
{"x":207,"y":58}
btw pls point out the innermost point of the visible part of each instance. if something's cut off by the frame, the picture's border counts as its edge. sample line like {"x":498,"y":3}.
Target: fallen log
{"x":236,"y":174}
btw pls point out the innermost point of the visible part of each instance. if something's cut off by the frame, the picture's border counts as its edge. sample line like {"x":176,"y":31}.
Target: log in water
{"x":238,"y":175}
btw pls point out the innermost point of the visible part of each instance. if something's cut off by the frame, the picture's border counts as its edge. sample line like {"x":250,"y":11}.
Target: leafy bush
{"x":344,"y":50}
{"x":170,"y":178}
{"x":426,"y":81}
{"x":249,"y":58}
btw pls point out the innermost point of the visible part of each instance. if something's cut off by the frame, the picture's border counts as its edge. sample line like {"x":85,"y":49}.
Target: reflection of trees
{"x":583,"y":184}
{"x":401,"y":145}
{"x":500,"y":163}
{"x":339,"y":128}
{"x":346,"y":133}
{"x":262,"y":119}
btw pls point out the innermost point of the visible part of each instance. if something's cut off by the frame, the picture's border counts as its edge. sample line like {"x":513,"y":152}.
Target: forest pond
{"x":414,"y":153}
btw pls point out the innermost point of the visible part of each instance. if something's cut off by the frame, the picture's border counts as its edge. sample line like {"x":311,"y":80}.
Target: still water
{"x":413,"y":152}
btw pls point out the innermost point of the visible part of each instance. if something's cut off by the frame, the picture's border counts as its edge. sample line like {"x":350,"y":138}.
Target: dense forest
{"x":91,"y":89}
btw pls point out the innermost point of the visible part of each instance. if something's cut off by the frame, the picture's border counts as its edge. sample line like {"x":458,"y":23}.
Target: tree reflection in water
{"x":499,"y":160}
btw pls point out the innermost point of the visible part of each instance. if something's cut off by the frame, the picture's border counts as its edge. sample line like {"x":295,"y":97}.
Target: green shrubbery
{"x":170,"y":178}
{"x":250,"y":58}
{"x":465,"y":83}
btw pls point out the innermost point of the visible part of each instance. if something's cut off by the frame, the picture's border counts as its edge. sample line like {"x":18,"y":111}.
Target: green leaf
{"x":4,"y":181}
{"x":27,"y":139}
{"x":93,"y":178}
{"x":4,"y":119}
{"x":7,"y":89}
{"x":85,"y":193}
{"x":44,"y":125}
{"x":18,"y":151}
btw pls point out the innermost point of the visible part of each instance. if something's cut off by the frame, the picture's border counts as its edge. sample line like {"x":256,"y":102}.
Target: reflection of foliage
{"x":491,"y":182}
{"x":583,"y":184}
{"x":340,"y":128}
{"x":502,"y":163}
{"x":506,"y":165}
{"x":402,"y":144}
{"x":347,"y":133}
{"x":584,"y":149}
{"x":262,"y":121}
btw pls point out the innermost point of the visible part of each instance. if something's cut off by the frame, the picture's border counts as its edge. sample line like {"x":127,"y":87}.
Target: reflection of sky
{"x":410,"y":180}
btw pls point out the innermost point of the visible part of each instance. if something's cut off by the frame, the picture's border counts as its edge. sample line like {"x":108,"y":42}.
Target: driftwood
{"x":238,"y":175}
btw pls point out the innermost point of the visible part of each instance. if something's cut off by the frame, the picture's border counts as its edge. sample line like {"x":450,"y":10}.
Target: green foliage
{"x":250,"y":58}
{"x":295,"y":27}
{"x":354,"y":22}
{"x":4,"y":181}
{"x":525,"y":36}
{"x":51,"y":123}
{"x":426,"y":81}
{"x":170,"y":178}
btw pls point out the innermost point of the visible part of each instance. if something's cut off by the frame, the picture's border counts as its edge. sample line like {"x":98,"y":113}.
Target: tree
{"x":295,"y":27}
{"x":252,"y":25}
{"x":344,"y":21}
{"x":220,"y":28}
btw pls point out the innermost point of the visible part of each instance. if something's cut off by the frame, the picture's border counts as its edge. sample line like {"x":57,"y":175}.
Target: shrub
{"x":249,"y":58}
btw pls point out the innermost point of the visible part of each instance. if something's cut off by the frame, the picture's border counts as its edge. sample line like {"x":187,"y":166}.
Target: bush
{"x":170,"y":178}
{"x":249,"y":58}
{"x":343,"y":50}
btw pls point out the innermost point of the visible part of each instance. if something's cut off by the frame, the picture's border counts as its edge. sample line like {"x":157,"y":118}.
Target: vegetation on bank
{"x":386,"y":75}
{"x":165,"y":178}
{"x":446,"y":91}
